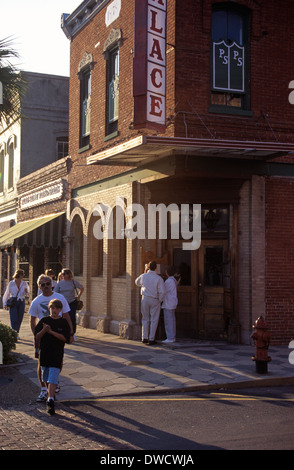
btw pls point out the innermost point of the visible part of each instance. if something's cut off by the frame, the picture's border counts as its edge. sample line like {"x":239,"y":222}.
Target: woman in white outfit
{"x":169,"y":305}
{"x":18,"y":288}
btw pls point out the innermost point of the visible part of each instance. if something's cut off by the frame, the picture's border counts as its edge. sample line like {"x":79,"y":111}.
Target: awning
{"x":145,"y":148}
{"x":8,"y":237}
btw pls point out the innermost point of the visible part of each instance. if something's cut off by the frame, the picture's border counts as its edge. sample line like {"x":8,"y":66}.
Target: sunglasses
{"x":45,"y":284}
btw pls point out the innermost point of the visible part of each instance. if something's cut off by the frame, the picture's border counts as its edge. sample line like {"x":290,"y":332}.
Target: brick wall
{"x":280,"y":258}
{"x":188,"y":79}
{"x":271,"y":69}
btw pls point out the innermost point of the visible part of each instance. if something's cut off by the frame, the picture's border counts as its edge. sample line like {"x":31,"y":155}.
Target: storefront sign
{"x":47,"y":193}
{"x":150,"y":64}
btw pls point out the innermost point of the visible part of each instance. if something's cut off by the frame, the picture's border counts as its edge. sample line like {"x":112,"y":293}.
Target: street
{"x":255,"y":419}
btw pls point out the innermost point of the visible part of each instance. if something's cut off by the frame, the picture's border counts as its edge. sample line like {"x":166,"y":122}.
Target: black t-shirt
{"x":52,"y":348}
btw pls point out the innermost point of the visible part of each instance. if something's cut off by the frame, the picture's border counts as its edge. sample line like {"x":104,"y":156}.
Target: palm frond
{"x":14,"y":84}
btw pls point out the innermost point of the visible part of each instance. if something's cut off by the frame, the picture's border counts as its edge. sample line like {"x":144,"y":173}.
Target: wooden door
{"x":185,"y":262}
{"x":214,"y":288}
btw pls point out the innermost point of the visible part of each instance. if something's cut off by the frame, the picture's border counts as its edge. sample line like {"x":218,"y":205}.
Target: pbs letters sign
{"x":228,"y":67}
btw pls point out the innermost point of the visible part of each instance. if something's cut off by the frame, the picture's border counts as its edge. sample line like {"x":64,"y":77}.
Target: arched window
{"x":10,"y":164}
{"x":96,"y":248}
{"x":119,"y":244}
{"x":2,"y":156}
{"x":78,"y":246}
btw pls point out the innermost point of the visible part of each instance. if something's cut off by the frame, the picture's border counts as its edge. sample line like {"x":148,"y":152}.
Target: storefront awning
{"x":145,"y":148}
{"x":8,"y":237}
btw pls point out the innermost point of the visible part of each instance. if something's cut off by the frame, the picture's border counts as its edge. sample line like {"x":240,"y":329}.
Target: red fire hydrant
{"x":261,"y":337}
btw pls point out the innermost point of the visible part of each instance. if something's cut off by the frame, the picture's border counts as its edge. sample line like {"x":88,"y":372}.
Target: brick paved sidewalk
{"x":26,"y":426}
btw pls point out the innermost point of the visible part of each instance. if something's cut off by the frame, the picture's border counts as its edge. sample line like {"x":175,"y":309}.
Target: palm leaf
{"x":13,"y":83}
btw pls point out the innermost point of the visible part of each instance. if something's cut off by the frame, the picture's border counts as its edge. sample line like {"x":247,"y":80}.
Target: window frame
{"x":111,"y":48}
{"x":225,"y":108}
{"x":85,"y":107}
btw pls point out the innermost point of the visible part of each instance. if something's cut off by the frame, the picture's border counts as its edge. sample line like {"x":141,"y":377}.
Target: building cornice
{"x":72,"y":23}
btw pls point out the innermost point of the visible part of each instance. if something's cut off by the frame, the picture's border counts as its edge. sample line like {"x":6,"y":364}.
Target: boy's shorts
{"x":50,"y":375}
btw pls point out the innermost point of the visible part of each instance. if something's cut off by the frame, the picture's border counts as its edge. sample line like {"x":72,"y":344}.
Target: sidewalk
{"x":98,"y":365}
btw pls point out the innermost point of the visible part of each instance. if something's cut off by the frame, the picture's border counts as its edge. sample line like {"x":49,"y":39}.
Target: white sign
{"x":112,"y":12}
{"x":47,"y":193}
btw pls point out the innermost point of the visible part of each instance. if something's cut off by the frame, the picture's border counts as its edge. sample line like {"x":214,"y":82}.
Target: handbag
{"x":11,"y":302}
{"x":80,"y":303}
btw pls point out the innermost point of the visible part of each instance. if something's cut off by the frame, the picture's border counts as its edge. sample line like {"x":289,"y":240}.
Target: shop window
{"x":24,"y":261}
{"x":230,"y":59}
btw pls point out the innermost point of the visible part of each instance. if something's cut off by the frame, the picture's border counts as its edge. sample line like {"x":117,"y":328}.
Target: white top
{"x":39,"y":306}
{"x":13,"y":291}
{"x":152,"y":285}
{"x":171,"y":298}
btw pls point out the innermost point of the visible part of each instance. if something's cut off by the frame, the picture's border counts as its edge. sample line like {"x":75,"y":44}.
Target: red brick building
{"x":185,"y":103}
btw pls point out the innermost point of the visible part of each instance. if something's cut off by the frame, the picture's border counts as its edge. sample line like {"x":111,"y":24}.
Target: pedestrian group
{"x":53,"y":316}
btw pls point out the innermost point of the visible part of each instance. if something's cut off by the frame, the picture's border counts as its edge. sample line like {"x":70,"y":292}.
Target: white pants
{"x":170,"y":323}
{"x":150,"y":309}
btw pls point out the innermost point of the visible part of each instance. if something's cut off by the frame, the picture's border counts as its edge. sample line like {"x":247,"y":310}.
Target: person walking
{"x":52,"y":333}
{"x":169,"y":305}
{"x":50,"y":273}
{"x":68,"y":287}
{"x":14,"y":299}
{"x":38,"y":310}
{"x":152,"y":291}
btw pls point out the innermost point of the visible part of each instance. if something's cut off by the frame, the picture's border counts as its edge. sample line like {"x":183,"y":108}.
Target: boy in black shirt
{"x":52,"y":333}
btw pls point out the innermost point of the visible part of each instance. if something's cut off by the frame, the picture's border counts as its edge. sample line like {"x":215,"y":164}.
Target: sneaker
{"x":42,"y":396}
{"x":57,"y":388}
{"x":50,"y":407}
{"x":145,"y":341}
{"x":169,"y":341}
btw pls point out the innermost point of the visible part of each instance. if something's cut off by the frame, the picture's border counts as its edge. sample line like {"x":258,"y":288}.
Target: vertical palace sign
{"x":150,"y":64}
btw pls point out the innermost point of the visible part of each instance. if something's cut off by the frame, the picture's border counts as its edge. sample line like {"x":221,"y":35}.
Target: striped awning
{"x":44,"y":231}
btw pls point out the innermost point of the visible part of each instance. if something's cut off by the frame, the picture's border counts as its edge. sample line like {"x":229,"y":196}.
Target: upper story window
{"x":112,"y":90}
{"x":2,"y":156}
{"x":10,"y":164}
{"x":61,"y":147}
{"x":85,"y":107}
{"x":229,"y":58}
{"x":84,"y":74}
{"x":111,"y":55}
